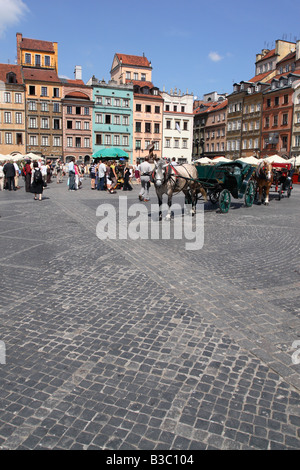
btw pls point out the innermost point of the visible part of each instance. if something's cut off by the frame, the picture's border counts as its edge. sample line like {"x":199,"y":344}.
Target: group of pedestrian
{"x":109,"y":176}
{"x":9,"y":176}
{"x":75,"y":175}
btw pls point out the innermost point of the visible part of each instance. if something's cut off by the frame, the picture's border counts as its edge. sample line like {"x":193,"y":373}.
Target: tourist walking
{"x":71,"y":170}
{"x":101,"y":168}
{"x":37,"y":184}
{"x":1,"y":177}
{"x":127,"y":186}
{"x":145,"y":172}
{"x":93,"y":175}
{"x":10,"y":172}
{"x":27,"y":175}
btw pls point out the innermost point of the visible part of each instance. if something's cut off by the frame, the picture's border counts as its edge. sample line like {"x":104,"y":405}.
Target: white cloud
{"x":215,"y":57}
{"x":11,"y":12}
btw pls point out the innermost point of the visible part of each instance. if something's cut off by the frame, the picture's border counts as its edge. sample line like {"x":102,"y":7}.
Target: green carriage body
{"x":228,"y":178}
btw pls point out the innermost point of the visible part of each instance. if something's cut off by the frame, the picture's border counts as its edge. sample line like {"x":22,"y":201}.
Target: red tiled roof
{"x":141,"y":83}
{"x":6,"y":68}
{"x":77,"y":94}
{"x":36,"y":45}
{"x":74,"y":82}
{"x":139,"y":61}
{"x":268,"y":55}
{"x":40,"y":75}
{"x":260,"y":77}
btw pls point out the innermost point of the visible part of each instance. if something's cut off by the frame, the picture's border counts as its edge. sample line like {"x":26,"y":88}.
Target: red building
{"x":277,"y":116}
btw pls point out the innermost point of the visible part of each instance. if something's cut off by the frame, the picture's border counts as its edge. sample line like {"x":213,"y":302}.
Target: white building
{"x":177,"y":126}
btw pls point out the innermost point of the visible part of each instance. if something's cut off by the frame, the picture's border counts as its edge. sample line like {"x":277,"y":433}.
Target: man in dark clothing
{"x":27,"y":175}
{"x":10,"y":172}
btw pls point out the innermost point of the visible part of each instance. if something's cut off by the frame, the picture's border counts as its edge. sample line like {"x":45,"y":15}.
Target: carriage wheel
{"x":224,"y":201}
{"x":280,"y":191}
{"x":250,"y":194}
{"x":214,"y":197}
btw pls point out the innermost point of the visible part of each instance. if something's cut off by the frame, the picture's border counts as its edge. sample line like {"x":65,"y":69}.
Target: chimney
{"x":78,"y":72}
{"x":19,"y":40}
{"x":298,"y":50}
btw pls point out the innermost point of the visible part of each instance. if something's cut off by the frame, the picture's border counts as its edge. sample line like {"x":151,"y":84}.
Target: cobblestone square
{"x":141,"y":344}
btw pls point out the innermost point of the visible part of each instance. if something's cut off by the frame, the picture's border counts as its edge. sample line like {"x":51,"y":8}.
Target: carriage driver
{"x":145,"y":172}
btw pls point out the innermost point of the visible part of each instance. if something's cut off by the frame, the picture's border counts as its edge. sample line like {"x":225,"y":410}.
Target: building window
{"x":125,"y":120}
{"x":69,"y":124}
{"x":147,"y":144}
{"x":55,"y":92}
{"x":147,"y":127}
{"x":7,"y":97}
{"x":86,"y":125}
{"x":32,"y":123}
{"x":45,"y":141}
{"x":297,"y":141}
{"x":32,"y":105}
{"x":107,"y":119}
{"x":138,"y":127}
{"x":56,"y":124}
{"x":138,"y":107}
{"x":37,"y":60}
{"x":125,"y":140}
{"x":77,"y":142}
{"x":8,"y":138}
{"x":168,"y":124}
{"x":126,"y":103}
{"x":18,"y":97}
{"x":284,"y":119}
{"x":45,"y":123}
{"x":86,"y":111}
{"x":98,"y":99}
{"x":135,"y":76}
{"x":156,"y":128}
{"x":107,"y":101}
{"x":117,"y":102}
{"x":7,"y":118}
{"x":176,"y":144}
{"x":286,"y":99}
{"x":184,"y":144}
{"x":117,"y":120}
{"x":116,"y":140}
{"x":33,"y":140}
{"x":56,"y":142}
{"x":18,"y":118}
{"x":98,"y":119}
{"x":19,"y":138}
{"x":44,"y":106}
{"x":107,"y":139}
{"x":69,"y":141}
{"x":143,"y":77}
{"x":275,"y":120}
{"x":98,"y":139}
{"x":137,"y":144}
{"x":168,"y":143}
{"x":69,"y":109}
{"x":148,"y":108}
{"x":128,"y":75}
{"x":47,"y":61}
{"x":44,"y":91}
{"x":27,"y":59}
{"x":78,"y":110}
{"x":56,"y":108}
{"x":86,"y":142}
{"x":31,"y":89}
{"x":157,"y":110}
{"x":78,"y":125}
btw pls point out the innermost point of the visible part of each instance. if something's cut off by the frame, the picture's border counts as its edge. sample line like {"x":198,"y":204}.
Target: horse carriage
{"x":219,"y":182}
{"x":282,"y":178}
{"x":223,"y":180}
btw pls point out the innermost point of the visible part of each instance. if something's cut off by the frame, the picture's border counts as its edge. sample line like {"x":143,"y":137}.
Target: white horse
{"x":169,"y":180}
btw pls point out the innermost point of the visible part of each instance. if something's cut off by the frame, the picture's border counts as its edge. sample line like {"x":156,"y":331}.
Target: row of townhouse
{"x":260,"y":117}
{"x":56,"y":117}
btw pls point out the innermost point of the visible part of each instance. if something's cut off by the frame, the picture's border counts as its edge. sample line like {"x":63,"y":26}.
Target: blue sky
{"x":195,"y":45}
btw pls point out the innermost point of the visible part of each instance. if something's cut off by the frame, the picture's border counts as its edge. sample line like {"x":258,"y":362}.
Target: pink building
{"x":77,"y":117}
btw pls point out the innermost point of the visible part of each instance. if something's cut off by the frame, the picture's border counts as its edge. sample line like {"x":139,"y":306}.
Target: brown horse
{"x":264,"y":179}
{"x":169,"y":180}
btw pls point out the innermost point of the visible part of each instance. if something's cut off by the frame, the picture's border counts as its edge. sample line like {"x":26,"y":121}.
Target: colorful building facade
{"x":112,"y":115}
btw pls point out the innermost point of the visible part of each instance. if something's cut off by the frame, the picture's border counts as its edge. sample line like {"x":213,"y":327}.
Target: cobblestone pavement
{"x":142,"y":344}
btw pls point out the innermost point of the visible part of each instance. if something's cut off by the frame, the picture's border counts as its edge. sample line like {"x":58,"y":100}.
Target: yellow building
{"x":36,"y":53}
{"x":12,"y":110}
